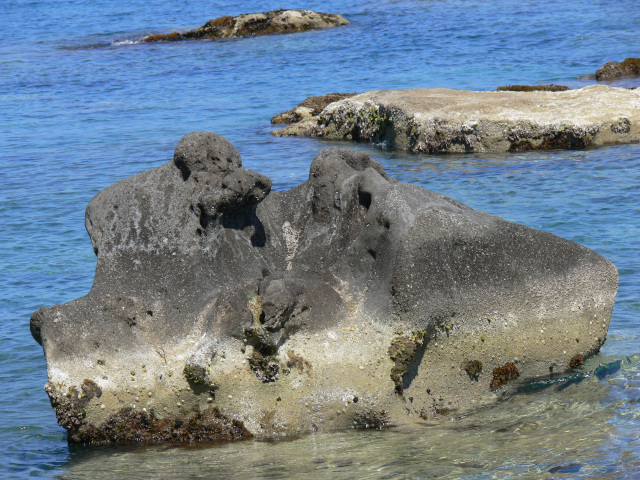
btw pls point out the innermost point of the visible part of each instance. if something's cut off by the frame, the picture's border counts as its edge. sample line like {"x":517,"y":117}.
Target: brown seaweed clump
{"x":576,"y":361}
{"x":472,"y":367}
{"x":532,"y":88}
{"x":502,"y":375}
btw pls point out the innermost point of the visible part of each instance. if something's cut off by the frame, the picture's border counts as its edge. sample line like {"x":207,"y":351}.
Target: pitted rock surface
{"x":221,"y":309}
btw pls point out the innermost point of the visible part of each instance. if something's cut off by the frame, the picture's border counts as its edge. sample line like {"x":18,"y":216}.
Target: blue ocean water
{"x":83,"y":105}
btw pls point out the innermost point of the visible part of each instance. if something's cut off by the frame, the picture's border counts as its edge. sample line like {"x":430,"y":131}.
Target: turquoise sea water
{"x":83,"y":105}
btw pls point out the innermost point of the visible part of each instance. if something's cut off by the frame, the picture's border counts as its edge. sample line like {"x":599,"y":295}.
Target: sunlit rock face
{"x":442,"y":120}
{"x":222,"y":310}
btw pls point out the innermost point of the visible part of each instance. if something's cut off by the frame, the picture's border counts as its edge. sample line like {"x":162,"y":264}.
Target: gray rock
{"x":352,"y":299}
{"x":253,"y":24}
{"x":444,"y":120}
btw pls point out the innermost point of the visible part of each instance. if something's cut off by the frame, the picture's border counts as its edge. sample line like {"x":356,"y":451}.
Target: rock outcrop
{"x":445,"y":120}
{"x":615,"y":70}
{"x":253,"y":24}
{"x":222,"y":310}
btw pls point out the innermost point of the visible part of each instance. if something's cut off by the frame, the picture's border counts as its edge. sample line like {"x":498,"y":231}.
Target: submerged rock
{"x":222,"y":310}
{"x":253,"y":24}
{"x":445,"y":120}
{"x":614,"y":70}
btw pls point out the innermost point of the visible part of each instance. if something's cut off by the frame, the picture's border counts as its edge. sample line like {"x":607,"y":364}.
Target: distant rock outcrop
{"x":445,"y":120}
{"x":614,"y":70}
{"x":222,"y":310}
{"x":253,"y":24}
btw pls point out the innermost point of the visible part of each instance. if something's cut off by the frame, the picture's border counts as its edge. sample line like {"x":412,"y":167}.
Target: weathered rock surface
{"x":222,"y":310}
{"x":253,"y":24}
{"x":614,"y":70}
{"x":445,"y":120}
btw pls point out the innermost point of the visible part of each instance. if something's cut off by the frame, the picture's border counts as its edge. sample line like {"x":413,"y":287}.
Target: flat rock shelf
{"x":446,"y":120}
{"x":254,"y":24}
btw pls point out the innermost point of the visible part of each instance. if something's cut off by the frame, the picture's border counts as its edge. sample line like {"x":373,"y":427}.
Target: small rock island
{"x":221,"y":310}
{"x":254,"y":24}
{"x":444,"y":120}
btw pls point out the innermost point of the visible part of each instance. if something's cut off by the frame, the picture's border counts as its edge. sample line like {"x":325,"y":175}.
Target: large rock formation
{"x":253,"y":24}
{"x":221,"y":310}
{"x":445,"y":120}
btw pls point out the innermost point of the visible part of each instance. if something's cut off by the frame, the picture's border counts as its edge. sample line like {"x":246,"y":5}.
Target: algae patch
{"x":576,"y":361}
{"x":263,"y":361}
{"x":195,"y":373}
{"x":266,"y":367}
{"x":402,"y":351}
{"x":135,"y":426}
{"x":472,"y":367}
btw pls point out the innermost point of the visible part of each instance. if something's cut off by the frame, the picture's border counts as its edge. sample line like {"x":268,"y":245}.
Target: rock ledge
{"x":445,"y":120}
{"x":253,"y":24}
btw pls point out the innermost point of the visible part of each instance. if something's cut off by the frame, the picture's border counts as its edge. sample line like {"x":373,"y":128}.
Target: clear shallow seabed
{"x":83,"y":105}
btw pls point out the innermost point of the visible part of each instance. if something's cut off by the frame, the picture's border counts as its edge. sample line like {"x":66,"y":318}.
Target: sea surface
{"x":83,"y":104}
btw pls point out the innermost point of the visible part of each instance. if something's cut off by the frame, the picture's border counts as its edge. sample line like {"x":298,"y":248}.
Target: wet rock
{"x":456,"y":121}
{"x":532,"y":88}
{"x":614,"y":70}
{"x":213,"y":296}
{"x":253,"y":24}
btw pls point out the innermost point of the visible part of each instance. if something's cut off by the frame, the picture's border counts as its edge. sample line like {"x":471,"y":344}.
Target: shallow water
{"x":83,"y":106}
{"x":559,"y":433}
